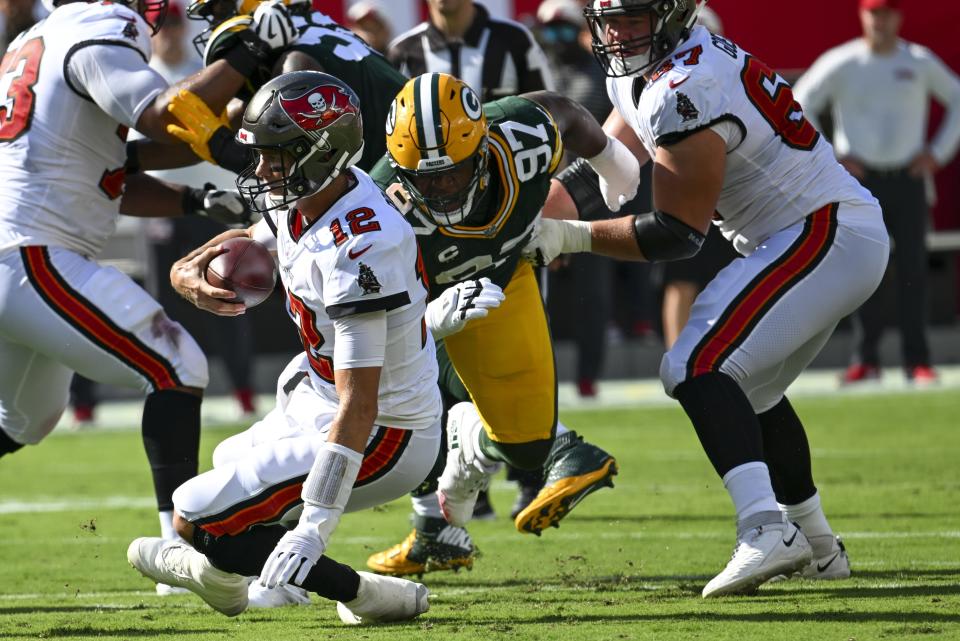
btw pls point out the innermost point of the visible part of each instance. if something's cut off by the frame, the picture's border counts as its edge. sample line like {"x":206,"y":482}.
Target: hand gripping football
{"x":247,"y":268}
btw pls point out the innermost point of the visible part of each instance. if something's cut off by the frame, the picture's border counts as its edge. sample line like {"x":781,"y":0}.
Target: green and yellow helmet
{"x":436,"y":130}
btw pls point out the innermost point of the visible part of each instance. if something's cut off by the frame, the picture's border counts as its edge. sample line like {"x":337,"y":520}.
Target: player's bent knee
{"x":673,"y":371}
{"x":192,"y":362}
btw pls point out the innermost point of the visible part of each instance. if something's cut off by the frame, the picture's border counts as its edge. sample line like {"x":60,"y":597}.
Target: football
{"x":247,"y":268}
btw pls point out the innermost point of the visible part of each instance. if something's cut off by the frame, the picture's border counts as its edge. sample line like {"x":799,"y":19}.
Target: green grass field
{"x":627,"y":564}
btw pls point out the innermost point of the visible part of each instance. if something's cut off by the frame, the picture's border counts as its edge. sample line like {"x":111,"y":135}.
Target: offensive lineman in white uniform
{"x":729,"y":143}
{"x":70,"y":88}
{"x":364,"y":427}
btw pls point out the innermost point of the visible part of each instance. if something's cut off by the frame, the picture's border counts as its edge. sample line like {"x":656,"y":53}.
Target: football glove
{"x":460,"y":304}
{"x":296,"y":552}
{"x":553,"y":237}
{"x":223,"y":206}
{"x":273,"y":25}
{"x":199,"y":123}
{"x":619,"y":173}
{"x":209,"y":137}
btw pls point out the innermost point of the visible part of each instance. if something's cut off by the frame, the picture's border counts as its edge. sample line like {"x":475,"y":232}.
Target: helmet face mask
{"x":437,"y":142}
{"x":307,"y":130}
{"x":647,"y":31}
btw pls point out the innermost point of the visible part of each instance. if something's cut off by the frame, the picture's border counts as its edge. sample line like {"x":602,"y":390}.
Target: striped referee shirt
{"x":495,"y":57}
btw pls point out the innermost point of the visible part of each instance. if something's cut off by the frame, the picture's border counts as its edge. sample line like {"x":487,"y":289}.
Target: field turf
{"x":628,"y":563}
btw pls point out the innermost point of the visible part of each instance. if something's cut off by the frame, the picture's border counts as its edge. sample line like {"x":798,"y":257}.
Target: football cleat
{"x":835,"y":564}
{"x":464,"y":475}
{"x":433,"y":546}
{"x":762,"y":553}
{"x":574,"y":469}
{"x":168,"y":590}
{"x":859,"y":374}
{"x":384,"y":598}
{"x":278,"y":597}
{"x":179,"y":565}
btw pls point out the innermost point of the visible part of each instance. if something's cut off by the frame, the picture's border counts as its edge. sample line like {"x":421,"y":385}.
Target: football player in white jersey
{"x":730,"y":145}
{"x":363,"y":426}
{"x":70,"y":88}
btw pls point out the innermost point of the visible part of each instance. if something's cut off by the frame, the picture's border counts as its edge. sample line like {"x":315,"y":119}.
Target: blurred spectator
{"x":368,"y":19}
{"x":495,"y":57}
{"x":879,"y":88}
{"x":682,"y":280}
{"x":171,"y":238}
{"x":16,"y":16}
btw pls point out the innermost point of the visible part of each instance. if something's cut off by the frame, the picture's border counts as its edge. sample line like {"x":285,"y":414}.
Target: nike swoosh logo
{"x":792,"y":539}
{"x":353,"y":255}
{"x":675,"y":83}
{"x":822,"y":568}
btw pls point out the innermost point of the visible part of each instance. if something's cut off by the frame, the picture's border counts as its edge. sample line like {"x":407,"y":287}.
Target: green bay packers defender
{"x":471,"y":179}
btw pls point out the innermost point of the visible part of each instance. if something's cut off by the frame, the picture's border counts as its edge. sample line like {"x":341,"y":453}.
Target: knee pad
{"x":673,"y":371}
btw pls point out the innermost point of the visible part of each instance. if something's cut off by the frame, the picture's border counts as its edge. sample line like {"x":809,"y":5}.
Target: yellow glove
{"x":199,"y":122}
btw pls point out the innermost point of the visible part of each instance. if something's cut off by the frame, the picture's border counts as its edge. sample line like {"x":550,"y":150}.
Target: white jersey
{"x":360,"y":256}
{"x":62,"y":155}
{"x":779,"y":168}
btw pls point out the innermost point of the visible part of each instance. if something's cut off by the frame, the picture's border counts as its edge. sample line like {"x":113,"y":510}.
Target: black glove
{"x":223,"y":206}
{"x":229,"y":153}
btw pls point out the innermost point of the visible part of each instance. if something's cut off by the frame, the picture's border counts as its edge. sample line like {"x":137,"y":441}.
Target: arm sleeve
{"x":360,"y":340}
{"x":945,"y":86}
{"x":116,"y":77}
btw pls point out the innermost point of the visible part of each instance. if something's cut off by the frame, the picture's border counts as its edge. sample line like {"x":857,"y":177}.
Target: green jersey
{"x":525,"y":149}
{"x":346,"y":56}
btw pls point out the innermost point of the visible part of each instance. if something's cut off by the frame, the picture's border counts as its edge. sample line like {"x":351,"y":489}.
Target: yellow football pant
{"x":506,"y":363}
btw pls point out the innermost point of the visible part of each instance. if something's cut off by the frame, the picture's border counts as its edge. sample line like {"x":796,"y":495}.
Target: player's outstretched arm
{"x":687,"y":179}
{"x":616,"y":166}
{"x":327,"y":488}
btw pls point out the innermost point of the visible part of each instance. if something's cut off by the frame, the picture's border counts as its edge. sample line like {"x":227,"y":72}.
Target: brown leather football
{"x":247,"y":268}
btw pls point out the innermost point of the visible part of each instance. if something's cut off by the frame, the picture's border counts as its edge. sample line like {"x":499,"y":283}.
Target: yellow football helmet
{"x":437,"y":141}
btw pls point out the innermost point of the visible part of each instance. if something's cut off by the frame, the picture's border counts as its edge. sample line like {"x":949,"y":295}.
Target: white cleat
{"x":179,"y":565}
{"x":168,"y":590}
{"x":278,"y":597}
{"x":835,"y":564}
{"x":464,"y":474}
{"x":384,"y":598}
{"x":762,"y":552}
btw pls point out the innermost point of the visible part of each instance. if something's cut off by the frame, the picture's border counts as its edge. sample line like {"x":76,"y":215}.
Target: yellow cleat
{"x":574,"y":470}
{"x":432,"y":546}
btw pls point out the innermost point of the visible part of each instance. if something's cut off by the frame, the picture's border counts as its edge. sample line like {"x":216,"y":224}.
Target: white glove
{"x":460,"y":304}
{"x":552,"y":237}
{"x":297,"y":551}
{"x":225,"y":206}
{"x":619,"y":173}
{"x":273,"y":25}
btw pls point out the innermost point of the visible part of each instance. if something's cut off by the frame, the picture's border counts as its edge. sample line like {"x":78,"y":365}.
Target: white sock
{"x":428,"y":506}
{"x":167,"y":532}
{"x":561,"y":428}
{"x":811,"y":519}
{"x":750,"y":489}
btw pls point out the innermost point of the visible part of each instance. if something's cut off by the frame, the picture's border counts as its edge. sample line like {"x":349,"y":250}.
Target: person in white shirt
{"x":878,"y":88}
{"x":731,"y":146}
